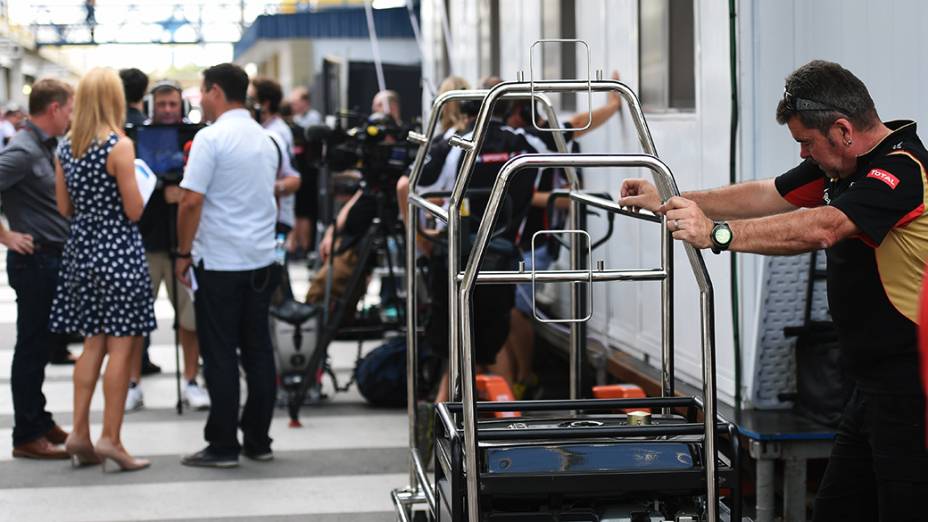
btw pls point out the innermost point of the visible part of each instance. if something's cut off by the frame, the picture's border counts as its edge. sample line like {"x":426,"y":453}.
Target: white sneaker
{"x":196,"y":397}
{"x":134,"y":399}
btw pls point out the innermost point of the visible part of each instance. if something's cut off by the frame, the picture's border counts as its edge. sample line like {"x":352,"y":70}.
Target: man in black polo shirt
{"x":134,"y":84}
{"x":35,"y":240}
{"x":864,"y":184}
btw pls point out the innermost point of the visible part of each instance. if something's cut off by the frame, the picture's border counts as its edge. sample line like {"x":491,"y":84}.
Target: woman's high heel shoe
{"x":81,"y":453}
{"x":106,"y":450}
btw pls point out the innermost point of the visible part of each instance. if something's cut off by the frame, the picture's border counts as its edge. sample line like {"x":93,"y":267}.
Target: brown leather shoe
{"x":56,"y":435}
{"x":40,"y":449}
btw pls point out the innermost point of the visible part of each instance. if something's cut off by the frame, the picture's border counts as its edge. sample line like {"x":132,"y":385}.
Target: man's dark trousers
{"x":232,"y":313}
{"x":878,"y":470}
{"x":34,"y":278}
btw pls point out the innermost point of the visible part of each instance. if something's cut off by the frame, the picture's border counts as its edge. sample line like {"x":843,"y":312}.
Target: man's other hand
{"x":639,"y":194}
{"x":181,"y":267}
{"x":19,"y":243}
{"x":687,"y":222}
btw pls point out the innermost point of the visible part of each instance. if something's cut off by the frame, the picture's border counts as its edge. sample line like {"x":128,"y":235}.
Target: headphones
{"x":161,"y":85}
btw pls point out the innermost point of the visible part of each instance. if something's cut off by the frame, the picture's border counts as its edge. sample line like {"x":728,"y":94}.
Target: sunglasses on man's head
{"x":797,"y":104}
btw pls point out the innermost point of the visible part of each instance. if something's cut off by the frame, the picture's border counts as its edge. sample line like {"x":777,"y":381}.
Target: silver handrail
{"x":467,"y":287}
{"x":577,"y":330}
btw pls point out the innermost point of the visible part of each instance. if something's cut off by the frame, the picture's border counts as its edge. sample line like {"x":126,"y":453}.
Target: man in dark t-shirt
{"x":864,"y":183}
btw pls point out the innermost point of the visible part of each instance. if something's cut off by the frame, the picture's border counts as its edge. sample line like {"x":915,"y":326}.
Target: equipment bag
{"x":381,"y":374}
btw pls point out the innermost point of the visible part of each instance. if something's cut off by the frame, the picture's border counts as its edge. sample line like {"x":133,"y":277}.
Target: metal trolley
{"x":481,"y":465}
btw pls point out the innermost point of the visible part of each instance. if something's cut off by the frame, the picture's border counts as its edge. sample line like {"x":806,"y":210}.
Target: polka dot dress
{"x":103,"y":284}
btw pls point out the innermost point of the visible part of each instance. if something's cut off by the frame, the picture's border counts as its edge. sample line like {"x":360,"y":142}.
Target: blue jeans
{"x":233,"y":328}
{"x":543,"y":261}
{"x":34,"y":278}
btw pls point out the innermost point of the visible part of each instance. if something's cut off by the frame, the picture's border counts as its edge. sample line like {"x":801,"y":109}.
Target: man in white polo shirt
{"x":225,"y":230}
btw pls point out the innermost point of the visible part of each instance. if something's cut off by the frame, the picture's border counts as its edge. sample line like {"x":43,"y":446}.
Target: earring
{"x":849,"y":143}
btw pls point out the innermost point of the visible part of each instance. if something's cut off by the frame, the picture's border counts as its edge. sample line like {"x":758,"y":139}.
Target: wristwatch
{"x":179,"y":255}
{"x":721,"y":237}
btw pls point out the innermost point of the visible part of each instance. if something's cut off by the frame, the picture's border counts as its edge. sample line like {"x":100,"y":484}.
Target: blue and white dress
{"x":103,"y":284}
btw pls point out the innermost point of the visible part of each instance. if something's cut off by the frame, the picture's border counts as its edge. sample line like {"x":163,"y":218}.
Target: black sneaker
{"x":261,"y":455}
{"x":205,"y":458}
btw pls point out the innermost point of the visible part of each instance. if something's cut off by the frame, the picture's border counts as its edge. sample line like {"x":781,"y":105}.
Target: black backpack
{"x":381,"y":374}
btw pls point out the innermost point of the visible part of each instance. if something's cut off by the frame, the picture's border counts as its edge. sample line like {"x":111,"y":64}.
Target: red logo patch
{"x":885,"y":177}
{"x":494,"y":157}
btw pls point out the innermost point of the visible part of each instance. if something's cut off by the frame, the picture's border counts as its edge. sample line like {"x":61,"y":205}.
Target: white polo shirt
{"x":233,"y":163}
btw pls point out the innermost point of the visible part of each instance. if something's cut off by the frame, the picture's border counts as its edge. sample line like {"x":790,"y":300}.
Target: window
{"x":494,"y":38}
{"x":666,"y":46}
{"x":489,"y":42}
{"x":559,"y":20}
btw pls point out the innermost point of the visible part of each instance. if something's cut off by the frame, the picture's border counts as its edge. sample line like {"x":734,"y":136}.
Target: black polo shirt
{"x":874,"y":279}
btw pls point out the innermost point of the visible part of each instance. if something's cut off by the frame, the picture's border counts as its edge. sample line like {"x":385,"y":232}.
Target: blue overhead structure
{"x":339,"y":22}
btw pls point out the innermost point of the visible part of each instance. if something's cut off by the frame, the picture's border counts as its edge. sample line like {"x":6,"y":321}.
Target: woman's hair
{"x":99,"y":109}
{"x":451,"y":115}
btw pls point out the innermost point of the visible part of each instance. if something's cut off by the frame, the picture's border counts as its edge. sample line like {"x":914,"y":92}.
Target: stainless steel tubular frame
{"x":467,"y":286}
{"x":402,"y":501}
{"x":415,"y":200}
{"x":577,"y":330}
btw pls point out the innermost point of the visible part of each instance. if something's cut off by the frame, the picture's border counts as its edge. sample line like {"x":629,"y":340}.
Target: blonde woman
{"x":451,"y":116}
{"x":104,"y":290}
{"x":452,"y":121}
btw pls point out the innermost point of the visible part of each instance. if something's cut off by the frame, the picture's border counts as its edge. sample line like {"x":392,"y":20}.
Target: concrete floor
{"x":340,"y":466}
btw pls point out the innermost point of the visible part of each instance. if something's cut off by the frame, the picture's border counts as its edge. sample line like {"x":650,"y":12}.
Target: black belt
{"x":47,"y":247}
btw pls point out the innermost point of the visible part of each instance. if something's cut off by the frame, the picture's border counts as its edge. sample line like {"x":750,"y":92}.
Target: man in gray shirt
{"x":35,"y":241}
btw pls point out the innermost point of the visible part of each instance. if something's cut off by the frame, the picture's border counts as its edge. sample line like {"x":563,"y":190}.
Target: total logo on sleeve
{"x":885,"y":177}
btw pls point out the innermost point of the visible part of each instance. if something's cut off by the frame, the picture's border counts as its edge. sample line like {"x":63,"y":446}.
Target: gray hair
{"x":821,"y":92}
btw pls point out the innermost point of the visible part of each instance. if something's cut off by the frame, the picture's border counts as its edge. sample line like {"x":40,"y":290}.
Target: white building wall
{"x":881,"y":42}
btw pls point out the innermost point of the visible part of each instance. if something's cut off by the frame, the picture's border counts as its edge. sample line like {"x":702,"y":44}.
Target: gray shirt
{"x":27,"y":186}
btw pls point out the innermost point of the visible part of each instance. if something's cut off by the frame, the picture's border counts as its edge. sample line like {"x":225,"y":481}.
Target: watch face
{"x":722,"y":235}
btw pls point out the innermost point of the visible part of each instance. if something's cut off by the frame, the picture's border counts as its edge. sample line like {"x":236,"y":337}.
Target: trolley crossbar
{"x":612,"y":206}
{"x":566,"y":276}
{"x":581,"y":404}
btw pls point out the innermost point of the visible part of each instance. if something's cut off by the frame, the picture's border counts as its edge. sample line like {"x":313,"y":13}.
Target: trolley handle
{"x":566,"y":194}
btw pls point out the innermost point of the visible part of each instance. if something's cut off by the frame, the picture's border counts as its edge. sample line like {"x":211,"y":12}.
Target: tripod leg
{"x":315,"y":368}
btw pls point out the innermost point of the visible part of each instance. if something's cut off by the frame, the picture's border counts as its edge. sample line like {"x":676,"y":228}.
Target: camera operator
{"x":160,"y":214}
{"x":267,"y":96}
{"x":387,"y":102}
{"x":225,"y":231}
{"x":355,"y":217}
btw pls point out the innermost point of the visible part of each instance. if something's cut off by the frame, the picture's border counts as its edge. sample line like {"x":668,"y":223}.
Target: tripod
{"x":383,"y":228}
{"x":172,"y":242}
